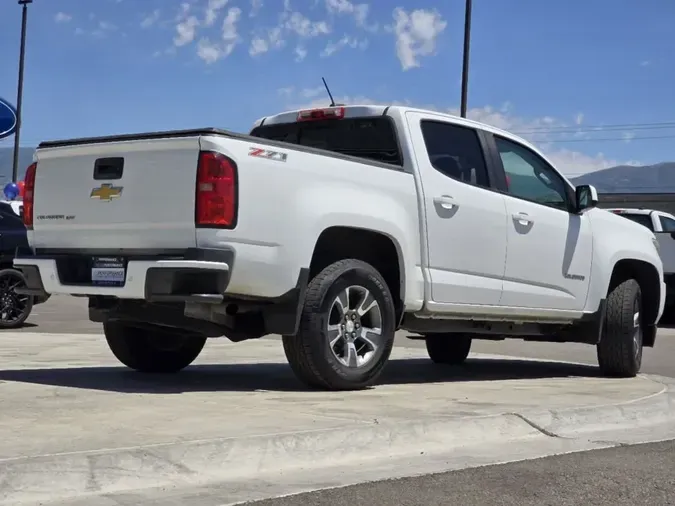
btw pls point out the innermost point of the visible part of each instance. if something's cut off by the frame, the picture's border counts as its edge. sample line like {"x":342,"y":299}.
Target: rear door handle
{"x":522,"y":218}
{"x":446,"y":202}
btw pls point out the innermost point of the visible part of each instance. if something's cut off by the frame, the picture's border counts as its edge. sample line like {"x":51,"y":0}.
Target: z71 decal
{"x":268,"y":154}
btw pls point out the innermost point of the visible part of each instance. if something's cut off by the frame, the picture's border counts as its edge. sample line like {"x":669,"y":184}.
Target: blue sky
{"x":552,"y":71}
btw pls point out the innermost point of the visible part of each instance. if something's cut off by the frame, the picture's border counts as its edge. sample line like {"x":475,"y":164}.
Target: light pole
{"x":19,"y":93}
{"x":465,"y":58}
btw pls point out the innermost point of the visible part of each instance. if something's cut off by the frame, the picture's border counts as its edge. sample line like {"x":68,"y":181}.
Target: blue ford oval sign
{"x":7,"y":119}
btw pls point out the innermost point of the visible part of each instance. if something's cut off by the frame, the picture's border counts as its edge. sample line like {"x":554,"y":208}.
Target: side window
{"x":456,"y":152}
{"x":667,"y":224}
{"x":530,"y":177}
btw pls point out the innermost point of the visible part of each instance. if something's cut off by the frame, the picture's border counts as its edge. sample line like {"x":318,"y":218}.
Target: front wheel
{"x":346,"y":330}
{"x":620,"y":347}
{"x":14,"y":308}
{"x":152,"y":350}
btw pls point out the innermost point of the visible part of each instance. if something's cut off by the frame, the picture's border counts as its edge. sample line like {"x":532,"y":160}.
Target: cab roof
{"x":366,"y":110}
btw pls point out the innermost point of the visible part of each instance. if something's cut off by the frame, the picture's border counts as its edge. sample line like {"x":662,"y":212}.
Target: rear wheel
{"x":620,"y":346}
{"x":152,"y":350}
{"x":14,"y":308}
{"x":347,"y":328}
{"x":448,"y":348}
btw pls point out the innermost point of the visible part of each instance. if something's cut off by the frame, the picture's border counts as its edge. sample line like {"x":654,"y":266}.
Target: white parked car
{"x":334,"y":228}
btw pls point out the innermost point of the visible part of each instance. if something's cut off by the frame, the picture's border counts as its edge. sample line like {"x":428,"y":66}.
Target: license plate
{"x":108,"y":271}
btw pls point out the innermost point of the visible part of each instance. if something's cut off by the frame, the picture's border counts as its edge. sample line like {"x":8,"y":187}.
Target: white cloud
{"x":186,"y":31}
{"x":290,"y":22}
{"x":213,"y":9}
{"x":62,"y":17}
{"x":256,"y":5}
{"x":103,"y":28}
{"x":358,"y":11}
{"x":230,"y":34}
{"x":308,"y":93}
{"x":300,"y":53}
{"x":579,"y":118}
{"x":346,"y":41}
{"x":304,"y":27}
{"x":275,"y":37}
{"x":416,"y":34}
{"x":183,"y":11}
{"x":151,"y":19}
{"x":287,"y":91}
{"x":537,"y":130}
{"x":258,"y":46}
{"x":208,"y":51}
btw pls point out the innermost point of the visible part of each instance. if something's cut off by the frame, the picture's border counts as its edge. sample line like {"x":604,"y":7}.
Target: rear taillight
{"x":319,"y":114}
{"x":29,"y":196}
{"x":216,"y":196}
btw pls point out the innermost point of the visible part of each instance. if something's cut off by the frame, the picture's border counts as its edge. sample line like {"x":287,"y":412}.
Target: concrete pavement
{"x":74,"y":423}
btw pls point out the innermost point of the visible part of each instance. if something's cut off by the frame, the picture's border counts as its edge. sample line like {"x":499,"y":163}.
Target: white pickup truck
{"x":663,"y":226}
{"x":334,"y":228}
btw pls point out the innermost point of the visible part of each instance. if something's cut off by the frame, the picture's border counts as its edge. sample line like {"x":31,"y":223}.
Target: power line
{"x":599,"y":128}
{"x":607,"y":139}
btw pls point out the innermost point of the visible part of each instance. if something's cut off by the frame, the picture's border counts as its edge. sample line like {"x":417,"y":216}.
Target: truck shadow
{"x":278,"y":376}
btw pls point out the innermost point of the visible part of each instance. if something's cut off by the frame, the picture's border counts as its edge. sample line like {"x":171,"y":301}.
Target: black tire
{"x":451,"y":349}
{"x":19,"y":306}
{"x":310,"y":354}
{"x":620,"y":346}
{"x":152,"y":350}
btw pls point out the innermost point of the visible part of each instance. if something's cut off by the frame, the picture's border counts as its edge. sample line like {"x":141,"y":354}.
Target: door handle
{"x":522,"y":218}
{"x":446,"y":202}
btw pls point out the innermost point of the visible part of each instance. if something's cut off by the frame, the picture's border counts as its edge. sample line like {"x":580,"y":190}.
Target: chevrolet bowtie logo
{"x":106,"y":192}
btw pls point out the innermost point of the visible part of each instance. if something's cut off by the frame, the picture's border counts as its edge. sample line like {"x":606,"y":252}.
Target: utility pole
{"x":465,"y":58}
{"x":19,"y":93}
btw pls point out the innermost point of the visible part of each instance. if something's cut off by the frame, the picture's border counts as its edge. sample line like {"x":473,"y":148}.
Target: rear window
{"x":369,"y":138}
{"x":642,"y":219}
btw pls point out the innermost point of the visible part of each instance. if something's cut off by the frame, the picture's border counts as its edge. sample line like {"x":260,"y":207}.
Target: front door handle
{"x":522,"y":218}
{"x":446,"y":202}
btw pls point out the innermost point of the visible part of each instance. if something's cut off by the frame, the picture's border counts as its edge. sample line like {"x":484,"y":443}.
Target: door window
{"x":456,"y":152}
{"x":529,"y":176}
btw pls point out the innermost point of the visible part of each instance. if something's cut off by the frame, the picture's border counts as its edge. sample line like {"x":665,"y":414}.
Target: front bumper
{"x":195,"y":274}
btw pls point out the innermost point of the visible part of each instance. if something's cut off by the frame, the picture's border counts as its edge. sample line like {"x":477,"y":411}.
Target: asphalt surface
{"x":62,"y":314}
{"x":629,"y":475}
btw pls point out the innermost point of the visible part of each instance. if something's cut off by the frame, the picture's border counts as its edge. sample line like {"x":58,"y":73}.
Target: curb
{"x":49,"y":478}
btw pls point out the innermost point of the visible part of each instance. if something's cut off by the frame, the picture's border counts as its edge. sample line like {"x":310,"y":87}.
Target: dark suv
{"x":14,"y":308}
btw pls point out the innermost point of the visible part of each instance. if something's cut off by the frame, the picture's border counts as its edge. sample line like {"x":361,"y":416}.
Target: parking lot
{"x":76,"y":423}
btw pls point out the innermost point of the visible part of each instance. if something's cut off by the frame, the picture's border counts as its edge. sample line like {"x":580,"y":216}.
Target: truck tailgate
{"x":131,"y":194}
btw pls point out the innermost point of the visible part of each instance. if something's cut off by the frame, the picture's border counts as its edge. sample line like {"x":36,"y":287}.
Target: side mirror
{"x":672,"y":234}
{"x":587,"y":197}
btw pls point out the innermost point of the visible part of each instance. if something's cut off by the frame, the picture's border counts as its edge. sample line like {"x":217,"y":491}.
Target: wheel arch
{"x":647,"y":276}
{"x":379,"y":249}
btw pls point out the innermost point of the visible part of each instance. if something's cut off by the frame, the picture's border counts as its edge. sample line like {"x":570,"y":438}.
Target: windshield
{"x":369,"y":138}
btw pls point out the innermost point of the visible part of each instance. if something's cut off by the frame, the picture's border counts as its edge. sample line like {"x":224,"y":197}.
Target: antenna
{"x":332,"y":102}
